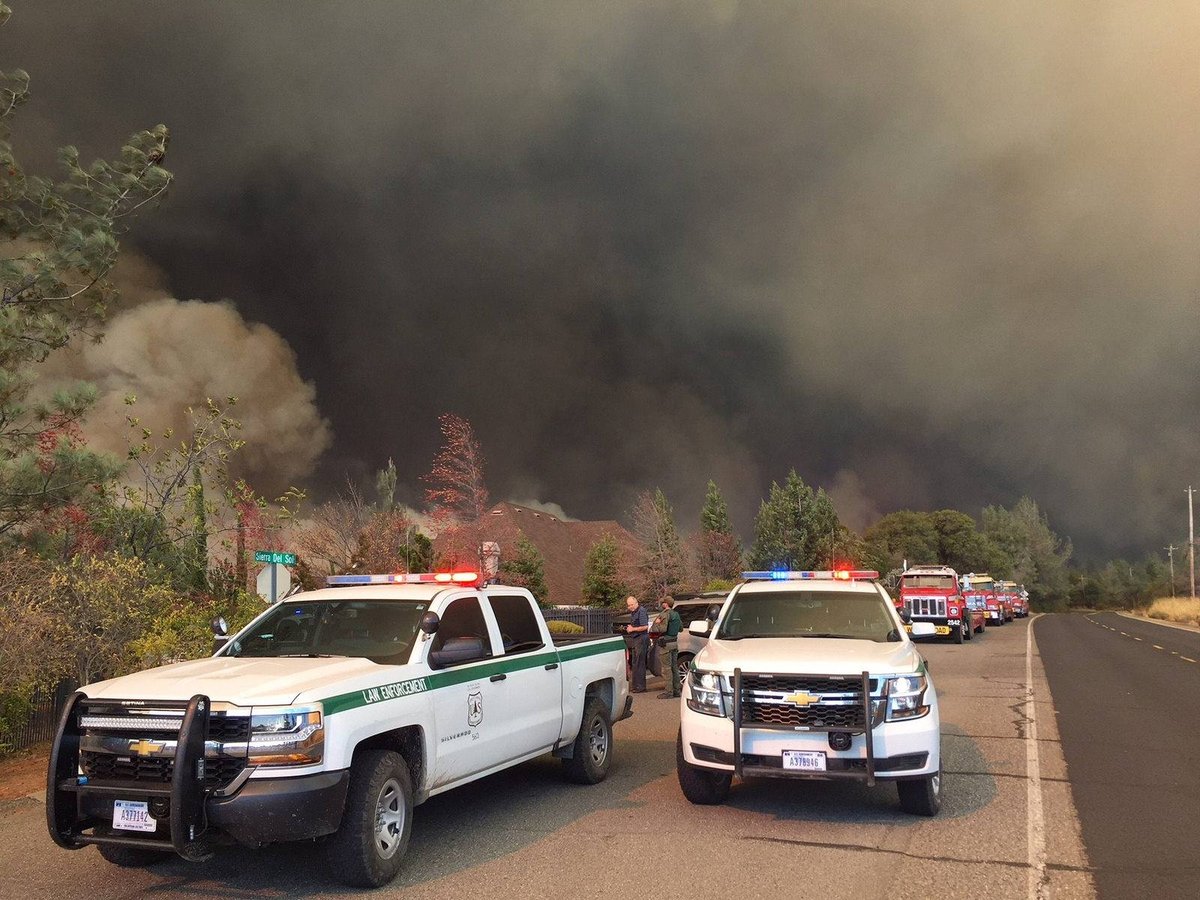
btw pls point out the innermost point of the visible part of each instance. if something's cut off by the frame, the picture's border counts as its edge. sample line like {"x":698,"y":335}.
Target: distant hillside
{"x":563,"y":544}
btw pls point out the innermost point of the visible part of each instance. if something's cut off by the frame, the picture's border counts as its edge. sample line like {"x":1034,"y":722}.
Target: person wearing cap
{"x":668,"y":644}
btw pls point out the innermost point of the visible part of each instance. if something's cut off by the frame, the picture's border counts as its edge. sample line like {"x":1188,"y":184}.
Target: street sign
{"x":278,"y":557}
{"x":273,"y":582}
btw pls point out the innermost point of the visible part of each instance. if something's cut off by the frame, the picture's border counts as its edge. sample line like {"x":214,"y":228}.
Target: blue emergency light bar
{"x":833,"y":575}
{"x":405,"y":578}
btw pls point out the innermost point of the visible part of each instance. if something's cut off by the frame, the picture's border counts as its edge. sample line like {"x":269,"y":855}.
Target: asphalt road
{"x":1007,"y":827}
{"x":1128,"y":700}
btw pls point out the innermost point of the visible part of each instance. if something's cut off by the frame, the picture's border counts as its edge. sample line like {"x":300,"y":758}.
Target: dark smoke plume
{"x":930,"y":254}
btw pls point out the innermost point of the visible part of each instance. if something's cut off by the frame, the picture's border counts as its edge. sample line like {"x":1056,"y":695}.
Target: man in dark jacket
{"x":637,"y":638}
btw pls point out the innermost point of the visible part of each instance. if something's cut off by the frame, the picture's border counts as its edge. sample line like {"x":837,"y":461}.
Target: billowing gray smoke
{"x":941,"y":254}
{"x":172,"y":355}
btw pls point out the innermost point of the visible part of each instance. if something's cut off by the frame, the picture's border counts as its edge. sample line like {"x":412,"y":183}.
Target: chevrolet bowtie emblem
{"x":145,"y":748}
{"x":801,"y":699}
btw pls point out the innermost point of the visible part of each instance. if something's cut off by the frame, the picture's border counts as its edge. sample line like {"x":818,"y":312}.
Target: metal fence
{"x":594,"y":621}
{"x":25,"y":722}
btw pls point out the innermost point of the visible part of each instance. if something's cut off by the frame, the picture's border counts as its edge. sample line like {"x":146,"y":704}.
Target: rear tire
{"x":704,"y":787}
{"x":592,"y":752}
{"x":369,"y":846}
{"x":922,"y":796}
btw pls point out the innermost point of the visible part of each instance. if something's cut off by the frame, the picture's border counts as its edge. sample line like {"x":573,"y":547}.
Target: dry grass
{"x":1175,"y":609}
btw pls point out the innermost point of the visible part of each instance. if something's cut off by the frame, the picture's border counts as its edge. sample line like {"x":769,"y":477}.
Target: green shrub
{"x":558,"y":627}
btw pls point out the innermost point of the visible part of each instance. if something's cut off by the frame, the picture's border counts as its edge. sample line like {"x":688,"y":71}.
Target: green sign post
{"x":277,"y":557}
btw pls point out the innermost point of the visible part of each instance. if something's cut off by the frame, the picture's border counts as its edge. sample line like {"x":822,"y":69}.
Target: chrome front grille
{"x":821,"y":703}
{"x":136,"y":743}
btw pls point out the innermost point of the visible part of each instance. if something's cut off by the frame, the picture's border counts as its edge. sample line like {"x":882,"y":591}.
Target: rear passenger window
{"x":518,"y":623}
{"x":463,"y":618}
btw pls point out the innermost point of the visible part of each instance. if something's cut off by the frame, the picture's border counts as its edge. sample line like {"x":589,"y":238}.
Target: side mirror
{"x":905,"y":616}
{"x":457,"y":650}
{"x":924,"y":629}
{"x":220,"y":627}
{"x":714,"y":612}
{"x":700,"y":626}
{"x":430,"y":622}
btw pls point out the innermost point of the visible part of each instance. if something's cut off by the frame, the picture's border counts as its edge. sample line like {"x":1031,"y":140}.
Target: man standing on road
{"x":669,"y":644}
{"x":637,"y":638}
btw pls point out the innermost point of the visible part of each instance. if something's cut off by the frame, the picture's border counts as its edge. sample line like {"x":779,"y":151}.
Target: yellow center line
{"x":1125,"y":633}
{"x":1187,"y":659}
{"x":1156,"y":647}
{"x":1137,"y":638}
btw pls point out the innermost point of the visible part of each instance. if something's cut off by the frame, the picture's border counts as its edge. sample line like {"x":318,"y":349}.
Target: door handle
{"x":500,"y":677}
{"x":551,"y":667}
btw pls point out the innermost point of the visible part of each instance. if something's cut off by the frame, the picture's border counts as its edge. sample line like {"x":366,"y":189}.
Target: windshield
{"x":836,"y":614}
{"x":379,"y":630}
{"x":942,"y":582}
{"x":982,"y":587}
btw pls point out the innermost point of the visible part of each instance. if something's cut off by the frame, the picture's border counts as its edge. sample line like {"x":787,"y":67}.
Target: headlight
{"x":286,"y":736}
{"x":906,"y":695}
{"x":705,"y":693}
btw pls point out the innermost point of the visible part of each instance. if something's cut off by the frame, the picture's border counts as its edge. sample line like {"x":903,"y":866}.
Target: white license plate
{"x":133,"y":815}
{"x":804,"y":760}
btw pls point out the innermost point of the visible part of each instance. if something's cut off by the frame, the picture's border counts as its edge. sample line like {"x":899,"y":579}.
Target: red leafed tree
{"x":457,"y":495}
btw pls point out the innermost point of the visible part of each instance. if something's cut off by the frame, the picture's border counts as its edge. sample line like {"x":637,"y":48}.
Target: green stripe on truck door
{"x":406,"y":687}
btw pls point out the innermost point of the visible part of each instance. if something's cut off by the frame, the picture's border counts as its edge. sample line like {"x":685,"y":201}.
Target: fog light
{"x":839,"y":740}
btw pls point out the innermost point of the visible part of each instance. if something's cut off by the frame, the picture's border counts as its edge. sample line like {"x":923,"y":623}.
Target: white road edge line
{"x":1035,"y":822}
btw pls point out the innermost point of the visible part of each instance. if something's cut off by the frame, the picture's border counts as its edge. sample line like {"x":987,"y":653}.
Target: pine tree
{"x":527,"y":569}
{"x":719,"y":550}
{"x":662,"y":565}
{"x":61,"y":244}
{"x":781,"y":535}
{"x":602,"y":582}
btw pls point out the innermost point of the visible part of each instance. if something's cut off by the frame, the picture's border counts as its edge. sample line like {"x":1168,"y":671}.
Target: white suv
{"x":810,"y":675}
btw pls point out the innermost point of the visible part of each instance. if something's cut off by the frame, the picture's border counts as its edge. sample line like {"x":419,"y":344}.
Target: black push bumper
{"x":745,"y":765}
{"x":192,"y":818}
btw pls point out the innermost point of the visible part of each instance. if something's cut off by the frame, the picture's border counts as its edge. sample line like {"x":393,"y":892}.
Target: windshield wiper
{"x":310,"y":656}
{"x":827,"y":634}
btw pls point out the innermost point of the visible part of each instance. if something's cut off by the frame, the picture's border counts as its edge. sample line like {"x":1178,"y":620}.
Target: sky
{"x":928,"y":254}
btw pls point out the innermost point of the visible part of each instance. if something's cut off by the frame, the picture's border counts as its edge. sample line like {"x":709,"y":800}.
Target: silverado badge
{"x":801,"y":699}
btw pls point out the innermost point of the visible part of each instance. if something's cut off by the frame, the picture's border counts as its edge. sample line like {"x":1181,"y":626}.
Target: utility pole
{"x":1170,"y":548}
{"x":1191,"y":543}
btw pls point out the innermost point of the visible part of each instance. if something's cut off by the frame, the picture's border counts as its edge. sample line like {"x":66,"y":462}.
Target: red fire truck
{"x":980,"y":591}
{"x":1016,"y":598}
{"x":931,"y":594}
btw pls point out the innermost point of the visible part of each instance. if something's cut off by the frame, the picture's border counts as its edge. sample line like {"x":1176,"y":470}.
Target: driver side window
{"x":463,"y":618}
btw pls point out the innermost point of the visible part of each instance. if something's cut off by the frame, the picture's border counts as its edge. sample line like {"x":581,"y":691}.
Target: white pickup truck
{"x":332,"y":714}
{"x":810,"y":675}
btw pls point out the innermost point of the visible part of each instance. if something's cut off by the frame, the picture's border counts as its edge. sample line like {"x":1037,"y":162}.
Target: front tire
{"x":684,"y":664}
{"x":921,"y":796}
{"x":130,"y":857}
{"x":592,"y":751}
{"x":369,"y":846}
{"x":959,"y":637}
{"x":704,"y":787}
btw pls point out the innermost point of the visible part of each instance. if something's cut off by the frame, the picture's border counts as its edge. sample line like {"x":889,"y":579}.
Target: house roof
{"x":563,"y":544}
